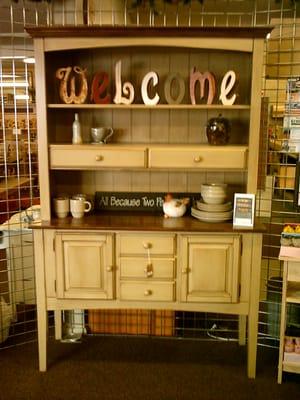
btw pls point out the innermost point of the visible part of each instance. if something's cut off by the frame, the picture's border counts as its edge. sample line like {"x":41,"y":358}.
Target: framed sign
{"x":243,"y":210}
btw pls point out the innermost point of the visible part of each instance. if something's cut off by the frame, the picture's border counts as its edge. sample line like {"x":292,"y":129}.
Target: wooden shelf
{"x":147,"y":107}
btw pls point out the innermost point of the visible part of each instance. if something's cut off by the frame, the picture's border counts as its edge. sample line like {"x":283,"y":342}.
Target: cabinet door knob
{"x":197,"y":159}
{"x":109,"y":268}
{"x":147,"y":292}
{"x":99,"y":158}
{"x":147,"y":245}
{"x":184,"y":271}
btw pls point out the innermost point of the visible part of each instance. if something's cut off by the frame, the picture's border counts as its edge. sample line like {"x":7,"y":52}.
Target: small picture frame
{"x":243,"y":210}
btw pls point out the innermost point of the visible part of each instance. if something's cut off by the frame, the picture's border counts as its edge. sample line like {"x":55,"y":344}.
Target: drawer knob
{"x":109,"y":268}
{"x":147,"y":292}
{"x":197,"y":159}
{"x":147,"y":245}
{"x":99,"y":158}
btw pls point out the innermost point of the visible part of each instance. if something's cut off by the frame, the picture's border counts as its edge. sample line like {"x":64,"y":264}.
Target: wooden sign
{"x":127,"y":88}
{"x":99,"y":88}
{"x":74,"y":87}
{"x":197,"y":76}
{"x":151,"y":76}
{"x":137,"y":201}
{"x":76,"y":90}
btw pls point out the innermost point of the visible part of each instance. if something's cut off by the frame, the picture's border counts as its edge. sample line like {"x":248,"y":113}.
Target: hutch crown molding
{"x":102,"y":261}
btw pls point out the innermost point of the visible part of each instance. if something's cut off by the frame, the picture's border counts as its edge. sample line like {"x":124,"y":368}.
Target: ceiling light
{"x":12,"y":57}
{"x":29,"y":60}
{"x":14,"y":84}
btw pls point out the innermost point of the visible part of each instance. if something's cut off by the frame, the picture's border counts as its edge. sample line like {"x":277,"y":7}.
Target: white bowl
{"x":213,"y":198}
{"x":213,"y":188}
{"x":213,"y":193}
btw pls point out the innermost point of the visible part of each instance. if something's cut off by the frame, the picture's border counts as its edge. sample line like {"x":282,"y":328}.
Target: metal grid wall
{"x":19,"y":203}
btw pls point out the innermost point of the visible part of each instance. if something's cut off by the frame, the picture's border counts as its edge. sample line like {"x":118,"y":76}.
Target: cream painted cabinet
{"x":84,"y":266}
{"x":176,"y":264}
{"x":210,"y":268}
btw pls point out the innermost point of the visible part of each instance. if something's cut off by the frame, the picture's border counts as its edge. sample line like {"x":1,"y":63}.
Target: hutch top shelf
{"x":79,"y":37}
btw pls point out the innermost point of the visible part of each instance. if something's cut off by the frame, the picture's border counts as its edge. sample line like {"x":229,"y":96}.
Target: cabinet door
{"x":210,"y":268}
{"x":84,"y":265}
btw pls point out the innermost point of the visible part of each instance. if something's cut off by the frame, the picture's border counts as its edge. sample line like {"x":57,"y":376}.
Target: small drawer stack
{"x":146,"y":267}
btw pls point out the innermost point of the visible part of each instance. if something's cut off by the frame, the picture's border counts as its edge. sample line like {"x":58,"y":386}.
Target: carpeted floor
{"x":142,"y":368}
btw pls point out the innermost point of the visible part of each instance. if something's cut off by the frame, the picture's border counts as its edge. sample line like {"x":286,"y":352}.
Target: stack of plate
{"x":212,"y":212}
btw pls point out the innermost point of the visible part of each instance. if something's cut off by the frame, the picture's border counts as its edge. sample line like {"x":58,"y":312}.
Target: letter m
{"x":197,"y":76}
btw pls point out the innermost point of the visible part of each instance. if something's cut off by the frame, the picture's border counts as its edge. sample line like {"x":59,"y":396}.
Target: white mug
{"x":61,"y":206}
{"x":79,"y":206}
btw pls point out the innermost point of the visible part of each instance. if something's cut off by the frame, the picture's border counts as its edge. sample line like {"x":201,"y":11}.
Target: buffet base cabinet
{"x":289,"y":361}
{"x":184,"y":271}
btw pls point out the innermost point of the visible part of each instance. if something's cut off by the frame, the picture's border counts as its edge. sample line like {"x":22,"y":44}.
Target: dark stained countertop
{"x":128,"y":221}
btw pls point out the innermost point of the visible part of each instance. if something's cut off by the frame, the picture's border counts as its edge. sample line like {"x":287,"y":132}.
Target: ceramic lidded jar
{"x":217,"y":131}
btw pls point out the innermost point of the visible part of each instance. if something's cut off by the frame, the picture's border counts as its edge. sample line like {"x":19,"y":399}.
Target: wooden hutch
{"x":99,"y":262}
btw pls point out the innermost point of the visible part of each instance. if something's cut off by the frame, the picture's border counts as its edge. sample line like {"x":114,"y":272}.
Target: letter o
{"x":171,"y":78}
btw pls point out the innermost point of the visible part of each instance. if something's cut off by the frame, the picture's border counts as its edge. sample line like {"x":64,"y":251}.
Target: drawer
{"x":147,"y":291}
{"x":214,"y":157}
{"x":96,"y":156}
{"x":140,"y":243}
{"x":161,"y":268}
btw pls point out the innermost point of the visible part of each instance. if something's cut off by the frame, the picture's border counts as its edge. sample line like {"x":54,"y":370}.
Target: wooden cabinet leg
{"x":242,"y":329}
{"x":42,"y":314}
{"x":42,"y":339}
{"x":58,"y":324}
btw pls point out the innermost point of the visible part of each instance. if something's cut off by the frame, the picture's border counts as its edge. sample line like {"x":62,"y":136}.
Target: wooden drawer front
{"x":96,"y":157}
{"x":140,"y":268}
{"x":140,"y":243}
{"x":144,"y":291}
{"x":228,"y":157}
{"x":293,"y":271}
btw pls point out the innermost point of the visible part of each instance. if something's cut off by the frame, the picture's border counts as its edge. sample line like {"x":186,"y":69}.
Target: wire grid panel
{"x":18,"y":153}
{"x":19,"y":187}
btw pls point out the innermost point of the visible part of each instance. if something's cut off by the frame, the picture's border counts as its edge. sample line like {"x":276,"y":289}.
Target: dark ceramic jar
{"x":217,"y":131}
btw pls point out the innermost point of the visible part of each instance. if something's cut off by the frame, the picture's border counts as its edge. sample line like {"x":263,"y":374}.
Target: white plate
{"x":212,"y":214}
{"x":213,"y":207}
{"x":210,"y":217}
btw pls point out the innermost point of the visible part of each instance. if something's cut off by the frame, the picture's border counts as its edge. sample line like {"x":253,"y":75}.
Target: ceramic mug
{"x":101,"y":134}
{"x":79,"y":206}
{"x":61,"y":206}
